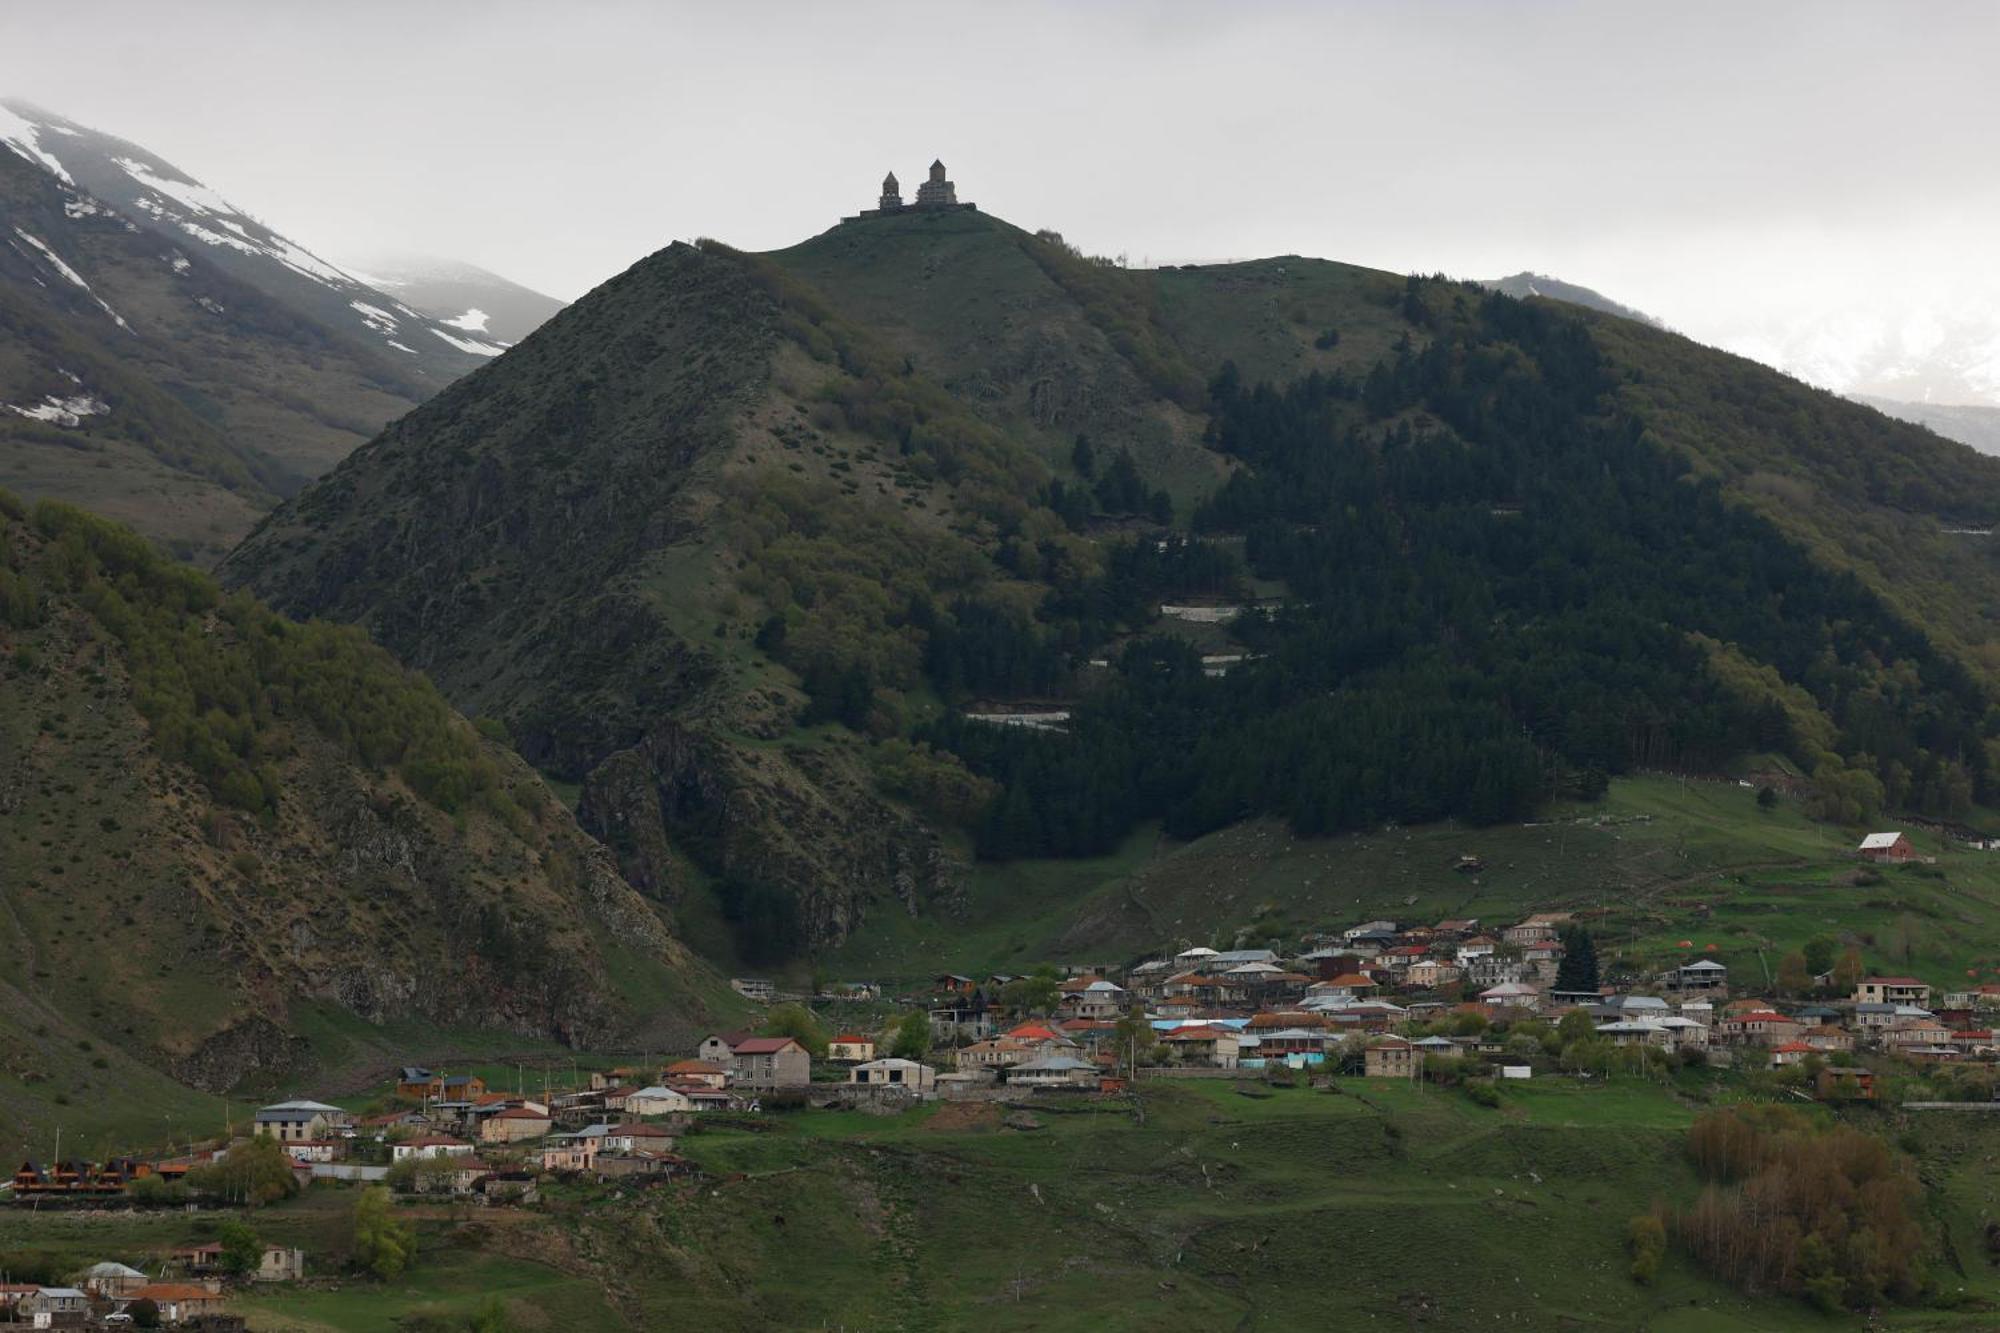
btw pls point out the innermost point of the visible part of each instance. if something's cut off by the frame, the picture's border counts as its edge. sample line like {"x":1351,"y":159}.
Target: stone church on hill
{"x":936,"y":195}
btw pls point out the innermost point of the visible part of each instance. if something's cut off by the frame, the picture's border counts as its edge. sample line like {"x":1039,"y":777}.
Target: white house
{"x":656,"y":1101}
{"x":430,"y":1145}
{"x":894,"y":1073}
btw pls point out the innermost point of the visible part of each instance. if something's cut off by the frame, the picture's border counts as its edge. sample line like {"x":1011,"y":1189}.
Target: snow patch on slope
{"x":23,"y":136}
{"x":471,"y":345}
{"x":472,"y":321}
{"x":56,"y":261}
{"x":62,"y":411}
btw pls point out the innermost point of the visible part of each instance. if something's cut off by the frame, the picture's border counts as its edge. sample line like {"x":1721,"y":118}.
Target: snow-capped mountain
{"x":462,"y":296}
{"x":140,"y":380}
{"x":158,"y":196}
{"x":1919,"y":355}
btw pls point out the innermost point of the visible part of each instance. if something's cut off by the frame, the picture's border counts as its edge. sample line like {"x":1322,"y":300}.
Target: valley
{"x":1250,"y":759}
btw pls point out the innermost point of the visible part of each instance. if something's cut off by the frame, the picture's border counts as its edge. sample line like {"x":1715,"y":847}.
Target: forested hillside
{"x":226,"y":831}
{"x":743,"y":543}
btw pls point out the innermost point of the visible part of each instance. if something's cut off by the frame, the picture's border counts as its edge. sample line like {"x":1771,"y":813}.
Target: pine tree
{"x":1578,"y":969}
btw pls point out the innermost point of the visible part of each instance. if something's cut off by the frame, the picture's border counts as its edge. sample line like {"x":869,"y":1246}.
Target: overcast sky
{"x":1716,"y":164}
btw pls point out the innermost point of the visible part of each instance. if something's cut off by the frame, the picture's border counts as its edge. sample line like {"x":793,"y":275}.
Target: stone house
{"x":281,"y":1263}
{"x":770,"y":1062}
{"x":514,"y":1125}
{"x":1389,"y":1057}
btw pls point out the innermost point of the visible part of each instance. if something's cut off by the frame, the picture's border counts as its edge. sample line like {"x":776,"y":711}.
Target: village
{"x":1457,"y":1003}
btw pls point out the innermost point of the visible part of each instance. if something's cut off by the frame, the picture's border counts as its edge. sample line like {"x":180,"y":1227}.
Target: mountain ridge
{"x":162,"y":198}
{"x":828,"y":484}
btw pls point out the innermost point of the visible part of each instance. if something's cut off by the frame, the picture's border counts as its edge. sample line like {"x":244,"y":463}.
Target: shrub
{"x":384,"y":1244}
{"x":1646,"y":1239}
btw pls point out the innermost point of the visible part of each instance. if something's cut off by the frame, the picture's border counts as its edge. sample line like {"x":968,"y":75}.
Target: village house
{"x":429,"y":1145}
{"x":657,"y":1100}
{"x":1458,"y":927}
{"x":1790,"y":1053}
{"x":634,"y":1138}
{"x":1910,"y":1035}
{"x":112,"y":1281}
{"x":514,"y":1125}
{"x":1284,"y":1044}
{"x":716,"y":1048}
{"x":683,"y":1072}
{"x":1479,"y":946}
{"x":1531,"y":931}
{"x":850,"y":1048}
{"x":1203,"y":1044}
{"x":1887,"y":848}
{"x":1892,"y":990}
{"x":894,"y":1073}
{"x":1495,"y":969}
{"x":1000,"y":1052}
{"x":1757,"y":1027}
{"x":1702,"y":974}
{"x":280,"y":1263}
{"x":1097,"y":998}
{"x":316,"y":1150}
{"x":1430,"y":973}
{"x":1975,"y":1042}
{"x":1868,"y":1017}
{"x":56,"y":1307}
{"x":958,"y":1016}
{"x":1055,"y":1071}
{"x":1369,"y":930}
{"x":573,"y":1152}
{"x":770,"y":1062}
{"x":180,"y":1302}
{"x":1826,"y":1039}
{"x":1389,"y":1057}
{"x":297,"y":1120}
{"x":1511,"y":995}
{"x":416,"y":1082}
{"x":196,"y":1260}
{"x":1346,"y":986}
{"x":1836,"y":1081}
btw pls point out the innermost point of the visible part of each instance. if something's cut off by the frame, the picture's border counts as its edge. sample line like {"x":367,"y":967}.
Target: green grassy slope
{"x":1661,"y":860}
{"x":1396,"y":1207}
{"x":1196,"y":1206}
